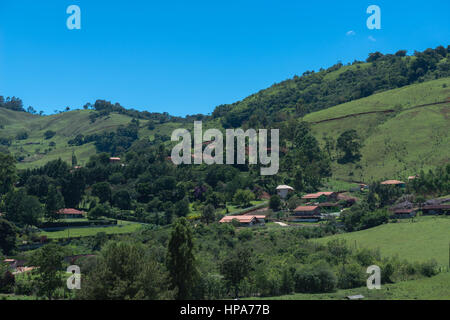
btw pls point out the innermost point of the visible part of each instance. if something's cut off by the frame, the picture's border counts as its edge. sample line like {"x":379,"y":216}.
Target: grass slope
{"x":435,"y":288}
{"x":427,"y":238}
{"x":398,"y":144}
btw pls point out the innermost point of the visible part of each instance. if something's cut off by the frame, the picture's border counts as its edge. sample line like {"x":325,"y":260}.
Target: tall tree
{"x":236,"y":267}
{"x":7,"y":172}
{"x":21,"y":208}
{"x":49,"y":260}
{"x":126,"y":270}
{"x":208,"y":215}
{"x":181,"y":261}
{"x":7,"y":237}
{"x":53,"y":202}
{"x":349,"y":144}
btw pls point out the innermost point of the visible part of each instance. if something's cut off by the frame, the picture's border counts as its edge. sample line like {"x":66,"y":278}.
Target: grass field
{"x":427,"y":238}
{"x":395,"y":145}
{"x":122,"y":227}
{"x":435,"y":288}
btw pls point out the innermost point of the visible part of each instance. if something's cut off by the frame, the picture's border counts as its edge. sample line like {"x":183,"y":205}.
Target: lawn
{"x":427,"y":238}
{"x":122,"y":227}
{"x":435,"y":288}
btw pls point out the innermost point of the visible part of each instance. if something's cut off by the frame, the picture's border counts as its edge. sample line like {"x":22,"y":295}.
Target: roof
{"x":114,"y":159}
{"x":306,"y":208}
{"x":404,"y":211}
{"x":241,"y":219}
{"x":341,"y":196}
{"x":317,"y":195}
{"x":70,"y":211}
{"x":392,"y":182}
{"x":284,"y":187}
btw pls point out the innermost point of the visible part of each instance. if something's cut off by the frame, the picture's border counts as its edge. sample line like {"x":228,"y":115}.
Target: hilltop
{"x":397,"y":104}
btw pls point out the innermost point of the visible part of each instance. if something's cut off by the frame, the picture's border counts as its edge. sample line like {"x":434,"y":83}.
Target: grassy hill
{"x":395,"y":144}
{"x":426,"y":238}
{"x":435,"y":288}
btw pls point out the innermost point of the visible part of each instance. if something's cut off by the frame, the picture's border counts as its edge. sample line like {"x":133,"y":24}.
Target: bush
{"x":351,"y":276}
{"x":429,"y":268}
{"x":22,"y":135}
{"x":245,"y":235}
{"x":23,"y":287}
{"x":7,"y":281}
{"x":49,"y":134}
{"x":315,"y":279}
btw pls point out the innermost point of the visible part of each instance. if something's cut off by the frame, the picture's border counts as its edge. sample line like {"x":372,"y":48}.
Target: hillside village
{"x":364,"y":180}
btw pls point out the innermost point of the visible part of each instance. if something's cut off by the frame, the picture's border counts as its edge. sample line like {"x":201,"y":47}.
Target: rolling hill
{"x":426,"y":238}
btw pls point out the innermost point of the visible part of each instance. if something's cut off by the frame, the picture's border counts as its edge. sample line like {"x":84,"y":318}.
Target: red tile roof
{"x":306,"y":208}
{"x":70,"y":211}
{"x":241,"y":219}
{"x":392,"y":182}
{"x":317,"y":195}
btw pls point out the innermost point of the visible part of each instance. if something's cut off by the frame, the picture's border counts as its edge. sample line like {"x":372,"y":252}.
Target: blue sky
{"x":187,"y":57}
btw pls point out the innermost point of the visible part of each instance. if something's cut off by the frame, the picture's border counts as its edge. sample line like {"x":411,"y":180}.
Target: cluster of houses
{"x":315,"y":207}
{"x":319,"y":205}
{"x":407,"y":209}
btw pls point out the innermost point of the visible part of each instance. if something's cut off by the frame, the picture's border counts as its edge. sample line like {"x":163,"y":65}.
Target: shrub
{"x":350,"y":276}
{"x":315,"y":279}
{"x":429,"y":268}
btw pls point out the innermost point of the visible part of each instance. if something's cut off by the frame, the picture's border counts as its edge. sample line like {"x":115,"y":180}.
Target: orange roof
{"x":114,"y":159}
{"x":241,"y":219}
{"x":70,"y":211}
{"x":306,"y":208}
{"x":392,"y":182}
{"x":317,"y":195}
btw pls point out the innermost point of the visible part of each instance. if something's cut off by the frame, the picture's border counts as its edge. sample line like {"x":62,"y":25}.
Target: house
{"x":306,"y":214}
{"x":412,"y":177}
{"x":114,"y":159}
{"x":321,"y":196}
{"x":245,"y":221}
{"x":396,"y":183}
{"x":284,"y":190}
{"x":436,"y":209}
{"x":70,"y":213}
{"x":404,"y":213}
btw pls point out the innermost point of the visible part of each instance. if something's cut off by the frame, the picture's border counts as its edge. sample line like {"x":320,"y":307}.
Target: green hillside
{"x":396,"y":144}
{"x":435,"y":288}
{"x":426,"y":238}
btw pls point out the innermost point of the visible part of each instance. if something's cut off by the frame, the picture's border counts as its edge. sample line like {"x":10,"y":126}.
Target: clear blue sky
{"x":187,"y":57}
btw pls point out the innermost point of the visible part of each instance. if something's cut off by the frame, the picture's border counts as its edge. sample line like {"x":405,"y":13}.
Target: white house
{"x":283,"y":191}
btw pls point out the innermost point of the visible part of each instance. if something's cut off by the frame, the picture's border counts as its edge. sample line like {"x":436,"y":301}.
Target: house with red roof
{"x":329,"y":196}
{"x":396,"y":183}
{"x":70,"y":213}
{"x":245,"y":221}
{"x":306,"y":213}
